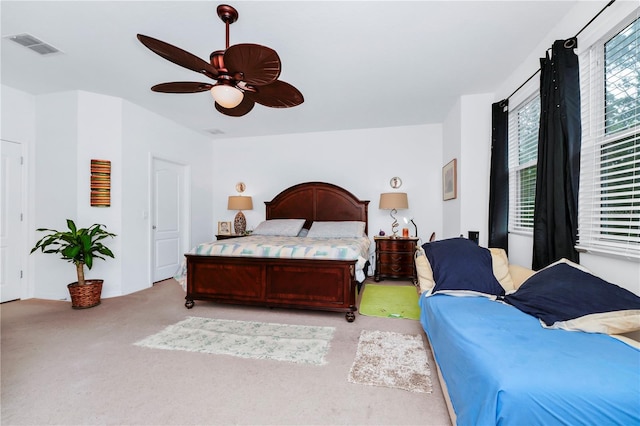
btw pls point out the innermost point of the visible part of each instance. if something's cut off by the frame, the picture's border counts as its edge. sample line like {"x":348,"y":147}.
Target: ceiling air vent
{"x":215,"y":131}
{"x":33,"y":43}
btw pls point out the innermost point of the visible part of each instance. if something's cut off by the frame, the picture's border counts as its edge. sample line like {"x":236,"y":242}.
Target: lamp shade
{"x":394,"y":200}
{"x":238,"y":202}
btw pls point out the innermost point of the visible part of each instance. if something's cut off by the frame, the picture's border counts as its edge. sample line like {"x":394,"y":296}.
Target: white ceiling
{"x":359,"y":64}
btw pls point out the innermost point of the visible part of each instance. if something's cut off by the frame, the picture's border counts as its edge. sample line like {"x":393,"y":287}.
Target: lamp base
{"x":240,"y":224}
{"x":395,"y":224}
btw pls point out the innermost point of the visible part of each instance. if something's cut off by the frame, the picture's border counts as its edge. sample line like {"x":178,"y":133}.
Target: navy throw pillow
{"x":561,"y":292}
{"x":460,"y":264}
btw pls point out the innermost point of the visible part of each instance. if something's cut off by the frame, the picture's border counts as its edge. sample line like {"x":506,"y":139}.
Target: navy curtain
{"x":499,"y":177}
{"x":555,"y":215}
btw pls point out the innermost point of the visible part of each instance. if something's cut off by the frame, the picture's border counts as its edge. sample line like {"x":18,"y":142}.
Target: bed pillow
{"x":343,"y":229}
{"x":519,"y":274}
{"x":279,"y":227}
{"x":423,"y":268}
{"x":461,"y":266}
{"x":565,"y":296}
{"x":500,"y":266}
{"x":499,"y":263}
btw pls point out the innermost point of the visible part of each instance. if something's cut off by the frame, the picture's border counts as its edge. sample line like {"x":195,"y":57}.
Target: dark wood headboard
{"x":318,"y":201}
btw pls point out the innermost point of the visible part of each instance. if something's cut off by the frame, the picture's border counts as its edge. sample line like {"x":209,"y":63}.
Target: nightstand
{"x":394,"y":258}
{"x":227,"y":236}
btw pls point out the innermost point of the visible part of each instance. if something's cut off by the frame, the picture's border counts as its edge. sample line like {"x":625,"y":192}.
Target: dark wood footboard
{"x":289,"y":283}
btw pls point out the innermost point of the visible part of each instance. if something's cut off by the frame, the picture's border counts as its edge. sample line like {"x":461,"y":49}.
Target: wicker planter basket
{"x":85,"y":296}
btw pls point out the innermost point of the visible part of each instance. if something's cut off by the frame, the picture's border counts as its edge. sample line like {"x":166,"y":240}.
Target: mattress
{"x":286,"y":248}
{"x":502,"y":367}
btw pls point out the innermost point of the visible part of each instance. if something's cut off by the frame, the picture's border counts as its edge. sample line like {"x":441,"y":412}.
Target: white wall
{"x":18,"y":125}
{"x":147,"y":135}
{"x":452,"y":149}
{"x":99,"y":127}
{"x":475,"y":164}
{"x":623,"y":272}
{"x":62,"y":132}
{"x":55,"y":188}
{"x":467,"y":138}
{"x":18,"y":115}
{"x":362,"y":161}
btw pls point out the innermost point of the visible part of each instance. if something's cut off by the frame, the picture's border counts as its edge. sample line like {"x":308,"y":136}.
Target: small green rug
{"x":390,"y":301}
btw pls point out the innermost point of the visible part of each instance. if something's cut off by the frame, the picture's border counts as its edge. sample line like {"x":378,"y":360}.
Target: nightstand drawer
{"x":396,"y":269}
{"x":396,"y":245}
{"x":392,"y":257}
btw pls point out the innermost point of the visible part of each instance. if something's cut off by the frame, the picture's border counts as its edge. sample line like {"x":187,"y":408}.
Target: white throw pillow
{"x":279,"y":227}
{"x":344,"y":229}
{"x":425,"y":273}
{"x":500,"y":265}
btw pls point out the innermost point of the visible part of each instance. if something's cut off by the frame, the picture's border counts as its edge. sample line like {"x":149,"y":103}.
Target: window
{"x":524,"y":122}
{"x":609,"y":203}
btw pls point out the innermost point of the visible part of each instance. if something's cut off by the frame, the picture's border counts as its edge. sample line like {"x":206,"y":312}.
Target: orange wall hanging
{"x":100,"y":183}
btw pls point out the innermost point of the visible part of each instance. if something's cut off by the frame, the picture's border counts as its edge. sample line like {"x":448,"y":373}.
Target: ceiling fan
{"x":244,"y":73}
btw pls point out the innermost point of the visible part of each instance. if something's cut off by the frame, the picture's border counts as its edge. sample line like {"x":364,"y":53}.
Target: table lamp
{"x":413,"y":223}
{"x":239,"y":202}
{"x":394,"y":201}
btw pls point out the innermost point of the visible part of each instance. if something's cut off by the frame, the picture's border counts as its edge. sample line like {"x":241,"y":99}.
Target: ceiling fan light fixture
{"x":227,"y":96}
{"x":242,"y":69}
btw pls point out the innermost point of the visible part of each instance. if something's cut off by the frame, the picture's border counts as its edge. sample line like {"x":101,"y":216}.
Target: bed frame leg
{"x":189,"y":303}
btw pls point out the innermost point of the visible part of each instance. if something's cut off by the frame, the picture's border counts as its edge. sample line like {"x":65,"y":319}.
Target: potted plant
{"x":80,"y":247}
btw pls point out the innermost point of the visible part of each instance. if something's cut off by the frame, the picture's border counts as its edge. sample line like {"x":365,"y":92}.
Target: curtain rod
{"x":575,"y":36}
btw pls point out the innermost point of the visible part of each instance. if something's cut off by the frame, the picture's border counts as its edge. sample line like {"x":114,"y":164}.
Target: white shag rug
{"x":245,"y":339}
{"x":394,"y":360}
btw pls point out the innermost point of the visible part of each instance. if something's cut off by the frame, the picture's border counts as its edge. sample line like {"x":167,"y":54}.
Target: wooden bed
{"x":289,"y":283}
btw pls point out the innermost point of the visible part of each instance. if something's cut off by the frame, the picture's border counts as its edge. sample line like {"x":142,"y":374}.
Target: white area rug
{"x":245,"y":339}
{"x":394,"y":360}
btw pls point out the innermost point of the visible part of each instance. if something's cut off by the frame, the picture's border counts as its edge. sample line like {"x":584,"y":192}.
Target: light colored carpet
{"x":63,"y":366}
{"x":390,"y":301}
{"x":395,"y":360}
{"x":245,"y":339}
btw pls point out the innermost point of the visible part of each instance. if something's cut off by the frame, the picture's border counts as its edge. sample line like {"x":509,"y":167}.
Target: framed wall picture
{"x":224,"y":228}
{"x":449,"y":180}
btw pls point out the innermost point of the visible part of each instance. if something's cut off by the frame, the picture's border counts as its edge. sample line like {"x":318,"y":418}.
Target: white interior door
{"x":168,"y":218}
{"x":11,"y":222}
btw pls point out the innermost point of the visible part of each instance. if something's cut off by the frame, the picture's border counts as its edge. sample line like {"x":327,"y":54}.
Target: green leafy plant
{"x":78,"y":246}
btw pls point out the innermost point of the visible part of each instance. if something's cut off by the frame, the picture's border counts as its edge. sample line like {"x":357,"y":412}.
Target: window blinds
{"x":609,"y":201}
{"x":524,"y":122}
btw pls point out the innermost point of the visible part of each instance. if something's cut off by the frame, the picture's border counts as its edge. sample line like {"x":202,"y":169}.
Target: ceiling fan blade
{"x":245,"y":106}
{"x":277,"y":95}
{"x":178,"y":56}
{"x":182,"y":87}
{"x":259,"y":65}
